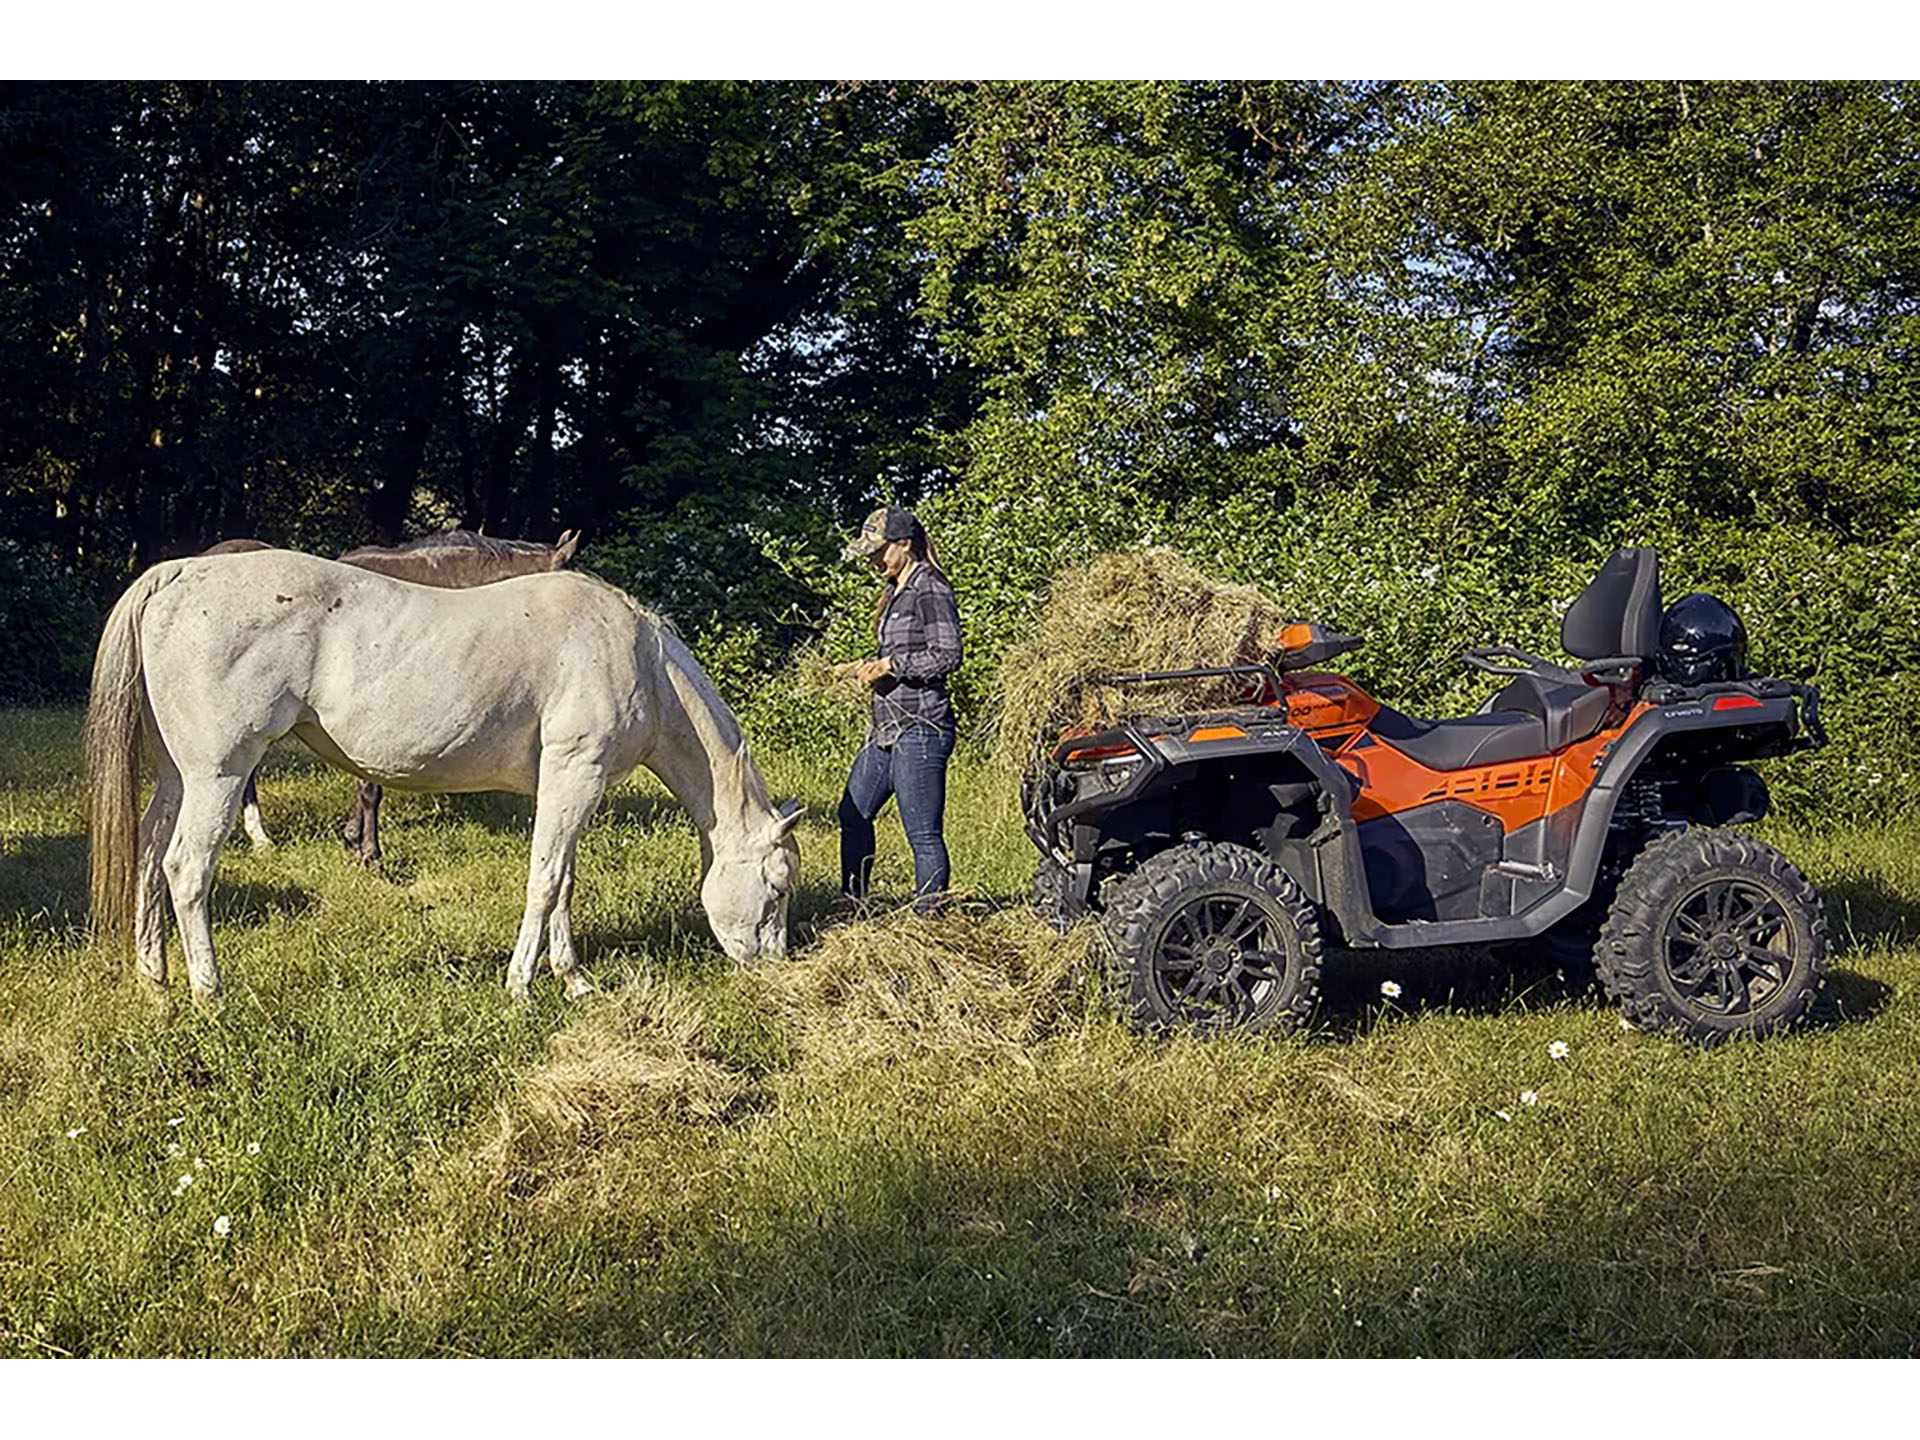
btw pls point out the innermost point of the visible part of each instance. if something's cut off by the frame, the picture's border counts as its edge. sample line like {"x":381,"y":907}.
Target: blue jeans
{"x":914,"y":770}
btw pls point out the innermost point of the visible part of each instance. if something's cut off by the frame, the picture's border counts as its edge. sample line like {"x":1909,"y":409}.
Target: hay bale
{"x":1126,"y":611}
{"x":953,"y":982}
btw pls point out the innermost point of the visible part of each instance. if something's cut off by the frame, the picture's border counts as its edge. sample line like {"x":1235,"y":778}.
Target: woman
{"x":910,"y":731}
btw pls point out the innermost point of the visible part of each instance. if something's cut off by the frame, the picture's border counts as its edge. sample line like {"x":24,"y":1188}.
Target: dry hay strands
{"x":813,"y":675}
{"x":1128,"y":611}
{"x":952,"y":982}
{"x":640,"y":1057}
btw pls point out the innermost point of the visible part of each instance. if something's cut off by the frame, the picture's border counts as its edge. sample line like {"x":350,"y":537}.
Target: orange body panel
{"x":1318,"y":702}
{"x":1337,"y":713}
{"x":1514,"y":792}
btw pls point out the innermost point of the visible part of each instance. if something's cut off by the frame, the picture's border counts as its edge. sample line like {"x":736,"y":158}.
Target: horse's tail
{"x":110,"y":760}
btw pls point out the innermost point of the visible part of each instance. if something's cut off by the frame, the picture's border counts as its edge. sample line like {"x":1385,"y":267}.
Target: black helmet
{"x":1702,"y":640}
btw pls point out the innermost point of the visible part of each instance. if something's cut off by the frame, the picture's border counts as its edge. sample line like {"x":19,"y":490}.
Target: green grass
{"x":800,"y":1174}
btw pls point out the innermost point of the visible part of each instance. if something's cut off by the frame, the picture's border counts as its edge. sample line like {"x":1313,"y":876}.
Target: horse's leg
{"x":207,"y":805}
{"x":569,"y":790}
{"x":560,"y":952}
{"x":354,"y":825}
{"x":156,"y":835}
{"x":370,"y":824}
{"x":250,"y":813}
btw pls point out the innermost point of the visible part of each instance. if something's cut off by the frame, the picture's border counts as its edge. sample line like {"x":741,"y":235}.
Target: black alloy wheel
{"x":1730,"y":947}
{"x":1713,"y":934}
{"x":1213,"y":937}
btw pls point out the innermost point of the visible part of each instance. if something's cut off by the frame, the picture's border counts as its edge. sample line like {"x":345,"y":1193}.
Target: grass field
{"x":913,"y":1138}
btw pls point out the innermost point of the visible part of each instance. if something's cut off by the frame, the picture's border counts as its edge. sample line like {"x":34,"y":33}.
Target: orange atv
{"x":1583,"y":808}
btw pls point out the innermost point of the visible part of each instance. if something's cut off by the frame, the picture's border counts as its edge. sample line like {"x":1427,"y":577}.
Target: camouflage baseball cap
{"x":888,"y":523}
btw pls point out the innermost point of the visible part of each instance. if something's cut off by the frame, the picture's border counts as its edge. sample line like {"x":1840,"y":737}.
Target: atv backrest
{"x":1618,"y":615}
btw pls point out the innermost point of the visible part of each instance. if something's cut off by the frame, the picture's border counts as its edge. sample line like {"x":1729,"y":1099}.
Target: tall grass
{"x":914,"y":1138}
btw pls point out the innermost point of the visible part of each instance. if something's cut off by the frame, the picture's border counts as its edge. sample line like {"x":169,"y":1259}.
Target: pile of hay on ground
{"x":1124,"y":612}
{"x":952,"y":982}
{"x":638,"y":1056}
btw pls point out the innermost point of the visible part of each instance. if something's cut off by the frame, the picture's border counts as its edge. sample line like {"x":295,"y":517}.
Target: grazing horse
{"x":453,"y":560}
{"x":552,"y":685}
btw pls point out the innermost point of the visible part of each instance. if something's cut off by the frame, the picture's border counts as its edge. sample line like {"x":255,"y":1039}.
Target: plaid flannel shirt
{"x":920,"y":635}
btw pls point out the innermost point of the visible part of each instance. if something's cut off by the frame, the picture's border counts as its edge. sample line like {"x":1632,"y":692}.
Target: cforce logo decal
{"x":1496,"y":782}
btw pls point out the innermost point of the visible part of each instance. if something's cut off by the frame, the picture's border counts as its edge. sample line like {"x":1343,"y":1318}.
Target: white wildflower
{"x":1625,"y":1024}
{"x":183,"y":1182}
{"x":253,"y":1147}
{"x":1390,"y":989}
{"x":223,"y":1225}
{"x":1557,"y":1049}
{"x":1274,"y":1192}
{"x":176,"y":1150}
{"x":198,"y":1163}
{"x":76,"y":1132}
{"x":1529,"y":1097}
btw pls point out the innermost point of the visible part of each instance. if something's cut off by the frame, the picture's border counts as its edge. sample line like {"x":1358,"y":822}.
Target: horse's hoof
{"x":207,"y":999}
{"x":522,"y":992}
{"x":579,"y":986}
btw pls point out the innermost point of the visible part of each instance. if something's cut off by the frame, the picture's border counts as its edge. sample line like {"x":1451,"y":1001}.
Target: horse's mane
{"x":465,"y":542}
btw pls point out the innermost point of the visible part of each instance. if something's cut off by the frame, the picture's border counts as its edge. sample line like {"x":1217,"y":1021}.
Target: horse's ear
{"x":563,"y":551}
{"x":790,"y":814}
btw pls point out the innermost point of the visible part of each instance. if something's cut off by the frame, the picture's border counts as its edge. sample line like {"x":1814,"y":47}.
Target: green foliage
{"x":48,"y":626}
{"x":1416,"y":359}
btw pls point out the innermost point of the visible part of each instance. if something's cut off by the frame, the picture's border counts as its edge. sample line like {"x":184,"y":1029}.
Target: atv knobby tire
{"x":1713,"y":934}
{"x":1215,"y":937}
{"x":1050,"y":894}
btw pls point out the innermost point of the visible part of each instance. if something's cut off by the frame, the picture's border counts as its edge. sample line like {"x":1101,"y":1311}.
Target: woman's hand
{"x":863,"y":672}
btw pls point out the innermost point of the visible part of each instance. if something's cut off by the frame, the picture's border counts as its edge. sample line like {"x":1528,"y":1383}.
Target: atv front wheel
{"x":1713,"y":934}
{"x":1216,"y":937}
{"x":1050,"y":894}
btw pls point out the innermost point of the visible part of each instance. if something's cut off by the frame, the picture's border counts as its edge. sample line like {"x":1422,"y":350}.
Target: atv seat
{"x":1571,"y":711}
{"x":1487,"y":739}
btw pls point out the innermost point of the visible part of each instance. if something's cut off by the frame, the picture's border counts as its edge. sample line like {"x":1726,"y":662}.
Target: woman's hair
{"x":921,"y":548}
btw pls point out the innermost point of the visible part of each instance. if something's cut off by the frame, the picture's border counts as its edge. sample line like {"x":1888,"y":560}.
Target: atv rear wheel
{"x":1215,"y":937}
{"x":1714,"y":934}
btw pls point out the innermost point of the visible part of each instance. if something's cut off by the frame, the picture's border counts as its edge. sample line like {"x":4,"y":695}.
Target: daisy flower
{"x":1529,"y":1097}
{"x":1390,"y":989}
{"x":223,"y":1225}
{"x":1557,"y":1049}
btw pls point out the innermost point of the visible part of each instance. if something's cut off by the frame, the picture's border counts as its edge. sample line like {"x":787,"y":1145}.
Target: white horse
{"x":553,"y":685}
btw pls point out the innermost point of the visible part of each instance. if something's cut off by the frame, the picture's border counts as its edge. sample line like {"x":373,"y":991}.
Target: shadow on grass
{"x":1078,"y":1246}
{"x":251,"y":902}
{"x":44,"y":877}
{"x":1864,"y":915}
{"x":1490,"y":981}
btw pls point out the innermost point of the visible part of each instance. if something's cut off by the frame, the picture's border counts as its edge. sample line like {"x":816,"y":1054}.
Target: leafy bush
{"x":48,"y":625}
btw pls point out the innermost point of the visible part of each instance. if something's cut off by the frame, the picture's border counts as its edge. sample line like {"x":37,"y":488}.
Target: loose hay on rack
{"x":1122,"y":612}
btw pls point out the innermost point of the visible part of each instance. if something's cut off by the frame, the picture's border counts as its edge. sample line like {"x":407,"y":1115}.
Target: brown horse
{"x":454,"y":560}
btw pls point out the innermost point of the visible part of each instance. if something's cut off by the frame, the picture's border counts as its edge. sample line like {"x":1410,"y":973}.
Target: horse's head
{"x":746,"y":889}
